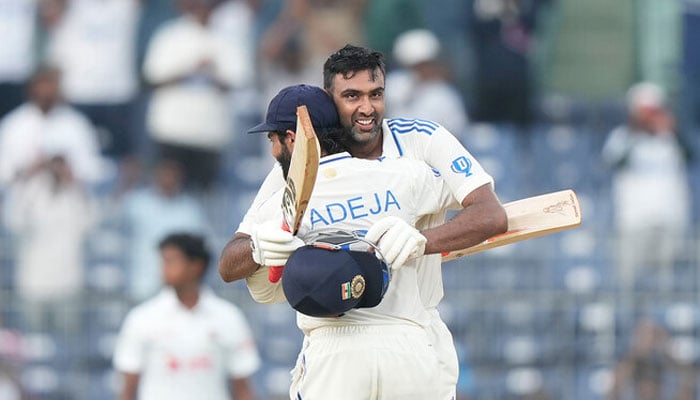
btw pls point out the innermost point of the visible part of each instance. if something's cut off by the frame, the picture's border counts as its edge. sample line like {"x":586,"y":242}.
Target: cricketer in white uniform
{"x":186,"y":353}
{"x":414,"y":139}
{"x":370,"y":353}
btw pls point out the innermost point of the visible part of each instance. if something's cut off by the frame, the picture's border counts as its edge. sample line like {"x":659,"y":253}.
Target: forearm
{"x":241,"y":389}
{"x":482,"y":217}
{"x":129,"y":390}
{"x":236,"y":260}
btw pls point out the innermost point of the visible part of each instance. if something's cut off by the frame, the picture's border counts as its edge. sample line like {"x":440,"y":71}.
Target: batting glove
{"x":271,"y":247}
{"x":396,"y":240}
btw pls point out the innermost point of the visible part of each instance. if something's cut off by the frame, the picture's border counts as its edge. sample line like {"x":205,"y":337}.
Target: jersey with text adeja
{"x":351,"y":195}
{"x":419,"y":140}
{"x":429,"y":141}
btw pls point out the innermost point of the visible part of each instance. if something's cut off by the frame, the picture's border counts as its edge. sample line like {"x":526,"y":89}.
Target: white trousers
{"x":374,"y":362}
{"x":443,"y":343}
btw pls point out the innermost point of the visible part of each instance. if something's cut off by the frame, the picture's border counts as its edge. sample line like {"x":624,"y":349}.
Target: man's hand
{"x":397,"y":240}
{"x":272,"y":246}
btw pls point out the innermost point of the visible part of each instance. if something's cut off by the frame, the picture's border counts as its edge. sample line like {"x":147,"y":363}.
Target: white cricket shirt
{"x":352,"y":194}
{"x":94,"y":45}
{"x":419,"y":140}
{"x":27,"y":134}
{"x":186,"y":354}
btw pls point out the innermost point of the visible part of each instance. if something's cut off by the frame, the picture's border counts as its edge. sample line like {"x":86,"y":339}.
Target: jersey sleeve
{"x":243,"y":358}
{"x":430,"y":142}
{"x":129,"y":353}
{"x":460,"y":170}
{"x":273,"y":182}
{"x":262,"y":290}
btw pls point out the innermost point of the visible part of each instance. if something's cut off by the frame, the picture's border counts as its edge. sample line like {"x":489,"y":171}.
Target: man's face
{"x":282,"y":150}
{"x":45,"y":90}
{"x":360,"y":102}
{"x":177,"y":269}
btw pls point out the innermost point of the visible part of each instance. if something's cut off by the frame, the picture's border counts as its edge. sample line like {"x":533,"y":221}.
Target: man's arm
{"x":482,"y":216}
{"x":236,"y":260}
{"x":130,"y":386}
{"x":241,"y":389}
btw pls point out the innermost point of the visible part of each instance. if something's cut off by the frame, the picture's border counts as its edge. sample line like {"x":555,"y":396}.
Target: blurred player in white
{"x":185,"y":343}
{"x":354,"y":77}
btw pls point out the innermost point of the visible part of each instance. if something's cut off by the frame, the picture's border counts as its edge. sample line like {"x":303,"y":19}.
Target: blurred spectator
{"x":645,"y":371}
{"x":650,"y":189}
{"x":236,"y":21}
{"x":17,"y":53}
{"x":186,"y":343}
{"x":319,"y":27}
{"x":51,"y":213}
{"x":43,"y":126}
{"x":386,"y":20}
{"x":421,"y":88}
{"x":192,"y":68}
{"x":287,"y":68}
{"x":503,"y":39}
{"x":93,"y":43}
{"x":149,"y":214}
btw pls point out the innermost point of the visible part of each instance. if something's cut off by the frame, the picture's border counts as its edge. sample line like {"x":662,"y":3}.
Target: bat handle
{"x":274,"y":274}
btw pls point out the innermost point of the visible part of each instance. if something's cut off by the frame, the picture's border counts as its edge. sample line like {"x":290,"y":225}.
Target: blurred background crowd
{"x":122,"y":121}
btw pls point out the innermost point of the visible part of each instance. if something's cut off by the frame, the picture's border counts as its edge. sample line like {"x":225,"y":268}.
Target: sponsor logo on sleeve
{"x":462,"y":165}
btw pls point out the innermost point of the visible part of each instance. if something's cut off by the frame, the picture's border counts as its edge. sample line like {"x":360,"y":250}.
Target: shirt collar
{"x":334,"y":157}
{"x":169,"y":297}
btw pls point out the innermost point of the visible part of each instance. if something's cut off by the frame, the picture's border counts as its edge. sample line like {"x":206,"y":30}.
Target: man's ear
{"x":291,"y":135}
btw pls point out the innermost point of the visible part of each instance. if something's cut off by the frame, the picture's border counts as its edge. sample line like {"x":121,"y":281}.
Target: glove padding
{"x":272,"y":246}
{"x":397,"y":241}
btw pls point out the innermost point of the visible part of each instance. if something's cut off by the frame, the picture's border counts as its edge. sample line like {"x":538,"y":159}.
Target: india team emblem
{"x":353,"y":289}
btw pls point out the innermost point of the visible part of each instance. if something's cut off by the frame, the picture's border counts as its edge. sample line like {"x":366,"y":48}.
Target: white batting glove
{"x":272,"y":246}
{"x":397,"y":240}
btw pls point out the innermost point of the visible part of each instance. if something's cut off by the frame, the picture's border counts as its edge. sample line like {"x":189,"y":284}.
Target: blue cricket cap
{"x":322,"y":282}
{"x":282,"y":110}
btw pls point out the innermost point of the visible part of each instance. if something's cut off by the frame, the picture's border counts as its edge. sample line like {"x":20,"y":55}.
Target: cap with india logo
{"x":325,"y":282}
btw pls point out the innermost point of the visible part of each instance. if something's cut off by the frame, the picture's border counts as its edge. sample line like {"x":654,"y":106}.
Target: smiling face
{"x":359,"y":98}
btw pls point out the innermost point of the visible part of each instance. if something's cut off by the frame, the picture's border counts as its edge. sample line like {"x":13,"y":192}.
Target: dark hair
{"x":191,"y":245}
{"x":350,"y":60}
{"x":333,"y":140}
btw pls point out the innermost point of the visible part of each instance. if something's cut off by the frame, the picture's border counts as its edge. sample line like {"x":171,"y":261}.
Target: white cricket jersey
{"x":94,"y":45}
{"x":352,"y":194}
{"x":186,"y":354}
{"x":428,"y":141}
{"x":420,"y":140}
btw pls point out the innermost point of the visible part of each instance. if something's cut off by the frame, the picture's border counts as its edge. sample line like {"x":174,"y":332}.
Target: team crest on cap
{"x":353,"y":289}
{"x":357,"y":286}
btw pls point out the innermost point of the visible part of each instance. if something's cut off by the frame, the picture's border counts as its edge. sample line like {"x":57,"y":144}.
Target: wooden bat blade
{"x":302,"y":172}
{"x":530,"y":218}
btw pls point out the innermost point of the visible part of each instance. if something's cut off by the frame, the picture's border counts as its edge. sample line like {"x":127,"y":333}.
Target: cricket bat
{"x":300,"y":178}
{"x":530,"y":218}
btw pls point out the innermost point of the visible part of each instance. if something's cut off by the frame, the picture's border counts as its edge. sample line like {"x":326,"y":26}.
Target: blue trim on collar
{"x":334,"y":157}
{"x":396,"y":141}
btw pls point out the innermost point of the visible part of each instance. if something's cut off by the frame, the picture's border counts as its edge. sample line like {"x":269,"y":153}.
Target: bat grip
{"x":274,"y":274}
